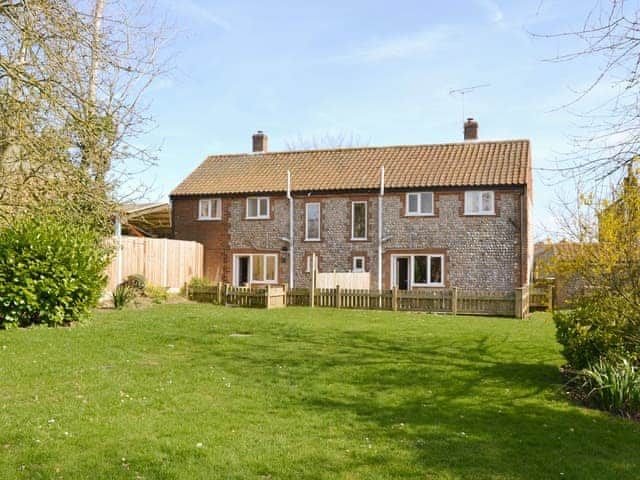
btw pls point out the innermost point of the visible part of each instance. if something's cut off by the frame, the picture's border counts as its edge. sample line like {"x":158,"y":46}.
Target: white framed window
{"x":258,"y":207}
{"x":419,"y":270}
{"x":255,"y":268}
{"x":358,"y":264}
{"x":312,"y":221}
{"x":309,"y":263}
{"x":419,"y":203}
{"x":358,"y":220}
{"x":209,"y":209}
{"x":478,"y":202}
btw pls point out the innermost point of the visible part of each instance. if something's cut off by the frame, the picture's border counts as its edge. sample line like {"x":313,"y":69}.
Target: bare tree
{"x":72,"y":81}
{"x":325,"y":141}
{"x":610,"y":136}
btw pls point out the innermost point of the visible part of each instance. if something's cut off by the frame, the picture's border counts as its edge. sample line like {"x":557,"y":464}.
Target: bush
{"x":599,"y":328}
{"x":51,"y":272}
{"x":122,"y":295}
{"x":156,"y":293}
{"x":200,"y":282}
{"x":612,"y":385}
{"x":136,"y":282}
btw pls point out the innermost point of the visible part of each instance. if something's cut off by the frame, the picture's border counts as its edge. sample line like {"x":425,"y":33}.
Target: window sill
{"x":480,"y":214}
{"x":358,"y":239}
{"x":419,"y":215}
{"x":257,"y":218}
{"x":427,"y":285}
{"x":209,"y":219}
{"x":313,"y":240}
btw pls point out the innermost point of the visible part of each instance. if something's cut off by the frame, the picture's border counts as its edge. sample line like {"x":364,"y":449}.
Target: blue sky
{"x":378,"y":70}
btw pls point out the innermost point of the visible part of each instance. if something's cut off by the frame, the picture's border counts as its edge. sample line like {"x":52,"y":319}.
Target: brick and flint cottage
{"x":414,"y":216}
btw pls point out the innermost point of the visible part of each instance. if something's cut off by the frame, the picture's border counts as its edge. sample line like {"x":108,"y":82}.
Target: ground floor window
{"x":358,"y":264}
{"x":255,"y":268}
{"x":417,"y":270}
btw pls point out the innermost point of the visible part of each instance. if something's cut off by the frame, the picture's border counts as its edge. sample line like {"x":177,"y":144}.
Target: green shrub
{"x":612,"y":385}
{"x":122,"y":295}
{"x":51,"y":271}
{"x":196,"y":282}
{"x":200,"y":282}
{"x":136,"y":282}
{"x":156,"y":293}
{"x":585,"y":337}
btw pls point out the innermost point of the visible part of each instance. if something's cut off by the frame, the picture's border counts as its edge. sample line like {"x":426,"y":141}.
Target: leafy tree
{"x":72,"y":79}
{"x":606,"y":318}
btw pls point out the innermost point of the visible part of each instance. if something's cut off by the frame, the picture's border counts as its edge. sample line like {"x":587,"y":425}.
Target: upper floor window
{"x":420,"y":203}
{"x":358,"y":220}
{"x":258,"y":207}
{"x":209,"y":209}
{"x":479,"y":203}
{"x":312,"y":221}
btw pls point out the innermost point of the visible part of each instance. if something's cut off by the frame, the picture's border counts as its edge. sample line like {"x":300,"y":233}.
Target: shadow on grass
{"x":460,"y":409}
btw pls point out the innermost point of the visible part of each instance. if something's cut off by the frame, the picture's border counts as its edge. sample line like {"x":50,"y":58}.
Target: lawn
{"x":169,"y":392}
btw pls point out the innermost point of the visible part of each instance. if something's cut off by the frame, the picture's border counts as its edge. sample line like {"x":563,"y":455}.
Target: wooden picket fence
{"x":222,"y":294}
{"x":449,"y":300}
{"x":541,"y":298}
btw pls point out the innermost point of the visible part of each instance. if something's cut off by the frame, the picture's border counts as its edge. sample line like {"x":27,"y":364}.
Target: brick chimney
{"x":260,"y":142}
{"x":470,"y":130}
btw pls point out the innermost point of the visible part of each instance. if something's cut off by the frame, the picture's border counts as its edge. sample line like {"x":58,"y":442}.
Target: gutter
{"x":291,"y":232}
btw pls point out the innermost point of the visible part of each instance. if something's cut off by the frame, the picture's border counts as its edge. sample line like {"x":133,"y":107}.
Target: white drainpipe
{"x":291,"y":232}
{"x":380,"y":227}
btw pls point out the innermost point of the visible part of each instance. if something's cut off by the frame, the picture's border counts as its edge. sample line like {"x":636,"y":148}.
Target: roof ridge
{"x":368,"y":147}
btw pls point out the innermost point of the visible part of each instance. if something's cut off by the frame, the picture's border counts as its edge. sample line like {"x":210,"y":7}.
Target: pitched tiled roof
{"x":407,"y":166}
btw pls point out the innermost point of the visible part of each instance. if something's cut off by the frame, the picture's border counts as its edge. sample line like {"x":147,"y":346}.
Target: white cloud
{"x":493,"y":10}
{"x":194,"y":10}
{"x":401,"y":46}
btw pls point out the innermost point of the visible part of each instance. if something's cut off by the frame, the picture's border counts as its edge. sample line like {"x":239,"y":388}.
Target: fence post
{"x":519,"y":302}
{"x":267,"y":296}
{"x":394,"y":299}
{"x":219,"y":293}
{"x":454,"y":300}
{"x":224,"y":295}
{"x":186,"y":290}
{"x":312,"y":290}
{"x":550,"y":297}
{"x":337,"y":294}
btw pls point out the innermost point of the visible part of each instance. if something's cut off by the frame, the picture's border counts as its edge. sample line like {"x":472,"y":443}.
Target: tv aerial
{"x":464,"y":91}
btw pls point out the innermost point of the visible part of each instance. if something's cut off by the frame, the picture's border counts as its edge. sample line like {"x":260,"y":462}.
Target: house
{"x":415,"y":216}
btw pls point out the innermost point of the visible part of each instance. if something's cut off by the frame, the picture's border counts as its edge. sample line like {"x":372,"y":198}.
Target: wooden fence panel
{"x":347,"y":280}
{"x":164,"y":262}
{"x":425,"y":300}
{"x":471,"y":303}
{"x":298,"y":297}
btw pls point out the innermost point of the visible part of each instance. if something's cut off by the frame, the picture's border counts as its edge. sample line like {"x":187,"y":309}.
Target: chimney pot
{"x":470,"y":129}
{"x":260,"y":140}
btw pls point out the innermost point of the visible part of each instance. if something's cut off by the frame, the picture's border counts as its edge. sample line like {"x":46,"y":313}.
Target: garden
{"x":201,"y":391}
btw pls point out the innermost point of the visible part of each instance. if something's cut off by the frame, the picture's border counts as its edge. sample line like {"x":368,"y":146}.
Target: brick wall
{"x":482,"y":253}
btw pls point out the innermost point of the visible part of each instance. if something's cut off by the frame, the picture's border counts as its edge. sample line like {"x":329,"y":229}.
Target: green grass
{"x":168,"y":393}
